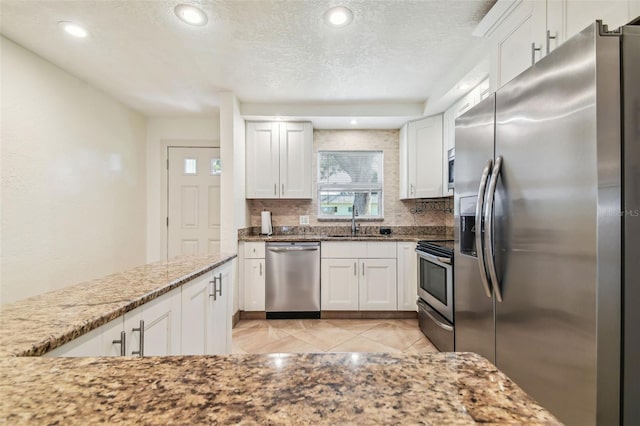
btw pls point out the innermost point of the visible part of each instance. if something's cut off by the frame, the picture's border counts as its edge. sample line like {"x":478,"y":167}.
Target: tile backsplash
{"x":396,"y":212}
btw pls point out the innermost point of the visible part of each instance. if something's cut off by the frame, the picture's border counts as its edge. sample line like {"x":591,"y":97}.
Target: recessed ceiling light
{"x":73,"y":29}
{"x":338,"y":16}
{"x":354,"y":122}
{"x":191,"y":14}
{"x":464,"y":86}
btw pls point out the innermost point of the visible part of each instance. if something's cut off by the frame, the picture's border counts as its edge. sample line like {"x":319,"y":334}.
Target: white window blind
{"x":347,"y":179}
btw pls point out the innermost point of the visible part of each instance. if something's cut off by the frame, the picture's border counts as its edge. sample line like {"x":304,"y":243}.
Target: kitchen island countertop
{"x":36,"y":325}
{"x":341,"y":388}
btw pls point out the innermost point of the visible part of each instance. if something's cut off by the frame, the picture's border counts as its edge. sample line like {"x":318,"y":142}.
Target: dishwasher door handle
{"x":284,"y":250}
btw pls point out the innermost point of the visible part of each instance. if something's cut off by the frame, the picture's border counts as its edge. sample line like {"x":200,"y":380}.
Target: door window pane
{"x":216,"y":166}
{"x":190,"y":166}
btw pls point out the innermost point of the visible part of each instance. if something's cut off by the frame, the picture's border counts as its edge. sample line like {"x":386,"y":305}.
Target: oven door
{"x":435,"y":283}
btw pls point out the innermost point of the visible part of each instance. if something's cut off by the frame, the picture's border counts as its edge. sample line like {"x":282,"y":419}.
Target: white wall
{"x":73,"y":179}
{"x":234,"y":214}
{"x":163,"y":132}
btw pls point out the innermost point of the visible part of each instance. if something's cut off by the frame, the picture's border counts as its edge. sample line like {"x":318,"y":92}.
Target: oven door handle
{"x":439,"y":323}
{"x":480,"y":228}
{"x":442,"y":261}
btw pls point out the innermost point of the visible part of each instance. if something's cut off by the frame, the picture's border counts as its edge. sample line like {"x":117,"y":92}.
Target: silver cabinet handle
{"x":413,"y":189}
{"x":549,"y":38}
{"x":282,"y":193}
{"x":480,"y":227}
{"x":122,"y":342}
{"x":355,"y":269}
{"x":141,"y":330}
{"x":286,"y":249}
{"x":488,"y":235}
{"x":275,"y":189}
{"x":218,"y":291}
{"x":363,"y":269}
{"x":260,"y":268}
{"x":212,"y":288}
{"x":534,"y":49}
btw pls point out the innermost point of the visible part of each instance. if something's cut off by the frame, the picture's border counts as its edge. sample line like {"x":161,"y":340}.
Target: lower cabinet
{"x":366,"y":283}
{"x":194,"y":319}
{"x":407,"y":276}
{"x":254,"y":285}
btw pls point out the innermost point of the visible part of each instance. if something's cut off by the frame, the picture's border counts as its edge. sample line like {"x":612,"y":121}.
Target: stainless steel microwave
{"x":452,"y":157}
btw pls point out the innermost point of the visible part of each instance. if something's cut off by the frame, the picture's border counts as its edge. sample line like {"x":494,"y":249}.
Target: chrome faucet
{"x":354,"y":213}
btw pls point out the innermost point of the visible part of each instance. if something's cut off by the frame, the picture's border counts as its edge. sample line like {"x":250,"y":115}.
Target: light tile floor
{"x":335,"y":335}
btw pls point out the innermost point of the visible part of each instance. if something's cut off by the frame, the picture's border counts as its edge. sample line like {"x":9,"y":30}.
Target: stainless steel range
{"x":435,"y":291}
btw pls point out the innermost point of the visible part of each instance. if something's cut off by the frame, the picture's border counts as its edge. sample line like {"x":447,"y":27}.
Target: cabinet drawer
{"x":254,"y":250}
{"x":381,"y":250}
{"x":343,"y":250}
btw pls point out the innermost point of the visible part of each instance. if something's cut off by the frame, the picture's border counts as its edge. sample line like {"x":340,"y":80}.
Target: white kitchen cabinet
{"x":253,"y":276}
{"x":519,"y":41}
{"x":566,"y":18}
{"x":254,"y":285}
{"x":407,"y":276}
{"x":365,"y":282}
{"x":278,"y":160}
{"x":339,"y":278}
{"x":219,"y":341}
{"x":206,"y":314}
{"x":377,"y":285}
{"x":153,"y":329}
{"x":421,"y":158}
{"x":97,"y":342}
{"x":160,"y":319}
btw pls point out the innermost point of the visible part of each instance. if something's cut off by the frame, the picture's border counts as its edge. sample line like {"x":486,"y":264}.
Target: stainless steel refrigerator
{"x":547,"y":228}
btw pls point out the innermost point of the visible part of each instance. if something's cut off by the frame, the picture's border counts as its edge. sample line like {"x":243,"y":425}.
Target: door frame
{"x":164,"y":181}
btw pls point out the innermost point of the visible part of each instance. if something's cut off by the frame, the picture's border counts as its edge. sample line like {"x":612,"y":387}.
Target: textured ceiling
{"x":264,"y":51}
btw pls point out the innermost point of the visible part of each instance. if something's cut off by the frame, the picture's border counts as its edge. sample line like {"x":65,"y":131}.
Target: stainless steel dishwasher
{"x":292,"y":280}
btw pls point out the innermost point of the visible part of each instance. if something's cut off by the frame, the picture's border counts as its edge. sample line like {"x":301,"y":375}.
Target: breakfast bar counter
{"x":338,"y":388}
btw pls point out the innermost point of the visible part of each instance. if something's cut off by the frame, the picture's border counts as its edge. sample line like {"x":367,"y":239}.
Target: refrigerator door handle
{"x":479,"y":227}
{"x":488,"y":235}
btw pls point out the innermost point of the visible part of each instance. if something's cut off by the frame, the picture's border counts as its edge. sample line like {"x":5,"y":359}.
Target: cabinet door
{"x":219,"y":339}
{"x":254,"y":285}
{"x":161,"y":319}
{"x":89,"y":344}
{"x":378,"y":289}
{"x":339,"y":290}
{"x":407,"y":276}
{"x":425,"y":157}
{"x":521,"y":40}
{"x":196,"y":315}
{"x":263,"y":158}
{"x":566,"y":18}
{"x":296,"y":144}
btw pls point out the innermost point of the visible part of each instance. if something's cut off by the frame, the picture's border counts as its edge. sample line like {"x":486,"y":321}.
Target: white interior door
{"x":193,"y":225}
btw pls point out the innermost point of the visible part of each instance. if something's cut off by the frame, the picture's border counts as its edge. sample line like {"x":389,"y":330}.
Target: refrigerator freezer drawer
{"x":435,"y":327}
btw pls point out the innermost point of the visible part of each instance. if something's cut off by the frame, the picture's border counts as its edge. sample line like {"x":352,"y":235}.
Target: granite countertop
{"x":343,"y":233}
{"x":342,"y":388}
{"x":369,"y":237}
{"x":39,"y":324}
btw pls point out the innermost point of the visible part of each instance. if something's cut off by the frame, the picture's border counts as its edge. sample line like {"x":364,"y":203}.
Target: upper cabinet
{"x":279,"y":157}
{"x":525,"y":31}
{"x":421,"y":155}
{"x":480,"y":92}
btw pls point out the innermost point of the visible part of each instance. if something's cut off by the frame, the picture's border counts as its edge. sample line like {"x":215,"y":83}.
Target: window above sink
{"x":348,"y":178}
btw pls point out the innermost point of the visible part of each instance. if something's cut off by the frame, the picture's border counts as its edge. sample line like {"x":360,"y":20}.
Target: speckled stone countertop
{"x":38,"y":324}
{"x":343,"y":233}
{"x":342,"y":388}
